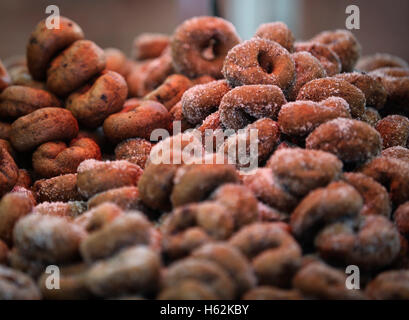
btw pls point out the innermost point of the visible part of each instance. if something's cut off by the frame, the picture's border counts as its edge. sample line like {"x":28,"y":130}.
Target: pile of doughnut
{"x":80,"y":191}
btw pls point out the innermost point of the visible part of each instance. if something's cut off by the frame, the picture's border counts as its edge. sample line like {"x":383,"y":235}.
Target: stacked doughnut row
{"x":80,"y":188}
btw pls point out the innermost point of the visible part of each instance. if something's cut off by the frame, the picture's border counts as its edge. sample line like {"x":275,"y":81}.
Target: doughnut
{"x":344,"y":44}
{"x":13,"y":206}
{"x":398,"y":152}
{"x":232,"y":261}
{"x":146,"y":76}
{"x":92,"y":104}
{"x":138,"y":122}
{"x":271,"y":293}
{"x":44,"y":44}
{"x":321,"y":89}
{"x":124,"y":231}
{"x":239,"y":201}
{"x":268,"y":135}
{"x":116,"y":61}
{"x":61,"y":188}
{"x":245,"y":104}
{"x":212,"y":217}
{"x":324,"y":206}
{"x":134,"y":150}
{"x":375,"y":196}
{"x":401,"y":218}
{"x":300,"y":118}
{"x":149,"y":45}
{"x":274,"y":253}
{"x":268,"y":190}
{"x":170,"y":91}
{"x":74,"y":66}
{"x":278,"y":32}
{"x":394,"y":130}
{"x":133,"y":270}
{"x":181,"y":244}
{"x":17,"y":101}
{"x":55,"y":158}
{"x":352,"y":141}
{"x":96,"y":176}
{"x":372,"y":242}
{"x":201,"y":100}
{"x":307,"y":68}
{"x":127,"y":198}
{"x":199,"y":46}
{"x":8,"y":171}
{"x":396,"y":82}
{"x":380,"y":60}
{"x":42,"y":125}
{"x":206,"y":272}
{"x":299,"y":171}
{"x":373,"y":89}
{"x":259,"y":61}
{"x":371,"y":116}
{"x":96,"y":218}
{"x":393,"y":174}
{"x":389,"y":285}
{"x":212,"y":130}
{"x":328,"y":58}
{"x":15,"y":285}
{"x":46,"y":238}
{"x":68,"y":210}
{"x":4,"y":77}
{"x":195,"y":182}
{"x":318,"y":280}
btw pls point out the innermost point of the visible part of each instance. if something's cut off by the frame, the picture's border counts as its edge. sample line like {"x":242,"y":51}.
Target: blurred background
{"x":114,"y":23}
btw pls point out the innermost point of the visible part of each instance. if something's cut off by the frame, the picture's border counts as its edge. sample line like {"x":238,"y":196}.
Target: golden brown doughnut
{"x":394,"y":130}
{"x":307,"y":68}
{"x":74,"y":66}
{"x":380,"y":60}
{"x":61,"y":188}
{"x":372,"y":88}
{"x":54,"y":158}
{"x":299,"y":118}
{"x":352,"y":141}
{"x":170,"y":91}
{"x":149,"y":45}
{"x":138,"y":122}
{"x":299,"y":171}
{"x":44,"y":44}
{"x":321,"y":89}
{"x":200,"y":44}
{"x":134,"y":150}
{"x":375,"y":196}
{"x":41,"y":126}
{"x":92,"y":104}
{"x":371,"y":242}
{"x":328,"y":58}
{"x":17,"y":101}
{"x":97,"y":176}
{"x":201,"y":100}
{"x":278,"y":32}
{"x":245,"y":104}
{"x":259,"y":61}
{"x":324,"y":206}
{"x":344,"y":44}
